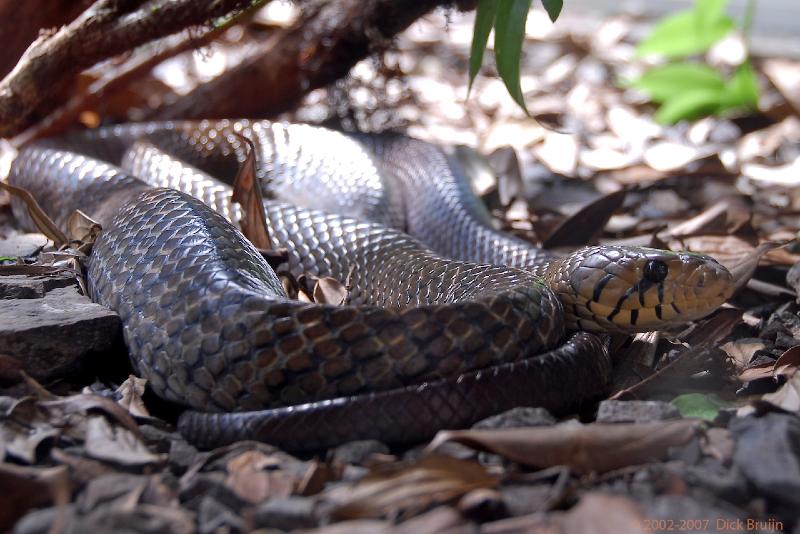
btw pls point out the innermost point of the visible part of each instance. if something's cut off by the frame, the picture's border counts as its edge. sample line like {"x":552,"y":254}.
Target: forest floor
{"x":701,"y":434}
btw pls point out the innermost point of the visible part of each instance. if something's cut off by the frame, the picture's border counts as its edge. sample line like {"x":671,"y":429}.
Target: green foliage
{"x":689,"y":32}
{"x":687,"y":89}
{"x":699,"y":405}
{"x":508,"y":18}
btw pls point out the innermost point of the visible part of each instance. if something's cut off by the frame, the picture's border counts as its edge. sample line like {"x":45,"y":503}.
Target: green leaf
{"x":553,"y":8}
{"x":664,"y":83}
{"x":689,"y":105}
{"x":509,"y":34}
{"x":688,"y":32}
{"x":709,"y":12}
{"x":742,"y":90}
{"x":699,"y":405}
{"x":484,"y":20}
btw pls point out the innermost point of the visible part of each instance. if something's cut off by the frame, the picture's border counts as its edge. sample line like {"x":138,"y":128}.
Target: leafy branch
{"x":688,"y":89}
{"x":508,"y":18}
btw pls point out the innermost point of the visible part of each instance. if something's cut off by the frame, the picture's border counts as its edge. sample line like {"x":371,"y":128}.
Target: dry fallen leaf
{"x":247,"y":192}
{"x":24,"y":488}
{"x":585,"y":225}
{"x":559,"y":152}
{"x":670,"y":156}
{"x":787,"y":363}
{"x":254,"y":476}
{"x":43,"y":222}
{"x":329,"y":290}
{"x":131,"y":392}
{"x":105,"y":441}
{"x":787,"y":397}
{"x":407,"y":489}
{"x":584,"y":448}
{"x":785,"y":76}
{"x":741,"y":351}
{"x":724,"y":217}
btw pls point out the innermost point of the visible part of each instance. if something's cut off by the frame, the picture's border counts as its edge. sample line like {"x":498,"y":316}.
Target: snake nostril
{"x":656,"y":271}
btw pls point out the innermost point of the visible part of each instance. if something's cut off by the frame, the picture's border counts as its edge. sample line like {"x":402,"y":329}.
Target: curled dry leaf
{"x":787,"y":175}
{"x":584,"y":448}
{"x":116,"y":444}
{"x":131,"y":392}
{"x":724,"y":217}
{"x":743,"y":271}
{"x":788,"y":363}
{"x":407,"y":489}
{"x":43,"y":222}
{"x":253,"y":476}
{"x":329,"y":290}
{"x":23,"y":427}
{"x":741,"y":351}
{"x":61,"y":410}
{"x":83,"y":228}
{"x":787,"y":397}
{"x":247,"y":192}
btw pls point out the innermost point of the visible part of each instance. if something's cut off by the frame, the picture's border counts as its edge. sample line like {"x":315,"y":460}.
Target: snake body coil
{"x":425,"y":342}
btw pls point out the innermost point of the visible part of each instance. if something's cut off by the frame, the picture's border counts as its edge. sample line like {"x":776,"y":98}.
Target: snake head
{"x":633,"y":289}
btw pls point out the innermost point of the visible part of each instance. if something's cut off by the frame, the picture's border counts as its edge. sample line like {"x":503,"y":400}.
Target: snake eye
{"x":656,"y":270}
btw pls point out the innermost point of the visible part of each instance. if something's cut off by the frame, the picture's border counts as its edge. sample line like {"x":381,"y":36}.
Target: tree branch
{"x":107,"y":28}
{"x":21,"y":22}
{"x":329,"y":38}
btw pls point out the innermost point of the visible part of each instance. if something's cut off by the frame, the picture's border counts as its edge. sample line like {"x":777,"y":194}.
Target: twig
{"x":327,"y":40}
{"x":107,"y":28}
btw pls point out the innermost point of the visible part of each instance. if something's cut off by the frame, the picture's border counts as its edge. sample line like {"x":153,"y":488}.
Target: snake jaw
{"x":632,"y":289}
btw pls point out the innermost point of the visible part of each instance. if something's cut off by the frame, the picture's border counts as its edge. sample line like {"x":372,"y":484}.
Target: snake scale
{"x":447,"y":319}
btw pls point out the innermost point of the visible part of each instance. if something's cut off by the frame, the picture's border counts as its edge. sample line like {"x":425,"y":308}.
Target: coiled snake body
{"x":427,"y":340}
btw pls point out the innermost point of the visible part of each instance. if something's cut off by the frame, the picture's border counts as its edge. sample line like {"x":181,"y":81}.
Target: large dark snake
{"x":426,"y":340}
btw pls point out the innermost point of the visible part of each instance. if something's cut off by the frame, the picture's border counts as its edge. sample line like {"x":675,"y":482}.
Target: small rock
{"x":516,"y":418}
{"x":22,"y":245}
{"x":357,"y":452}
{"x":612,"y":411}
{"x":215,"y":517}
{"x":42,"y":521}
{"x":52,"y":335}
{"x":286,"y":513}
{"x":482,"y":504}
{"x":525,"y":499}
{"x":34,"y":287}
{"x":201,"y":485}
{"x":768,"y":454}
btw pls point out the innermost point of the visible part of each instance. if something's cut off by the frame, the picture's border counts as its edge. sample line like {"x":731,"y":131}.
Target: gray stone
{"x":612,"y":411}
{"x":768,"y":454}
{"x":286,"y":513}
{"x":516,"y":418}
{"x":53,"y":334}
{"x":34,"y":287}
{"x":22,"y":245}
{"x":357,"y":452}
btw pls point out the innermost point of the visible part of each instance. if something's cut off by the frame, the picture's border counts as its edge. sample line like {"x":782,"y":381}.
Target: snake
{"x":447,"y":319}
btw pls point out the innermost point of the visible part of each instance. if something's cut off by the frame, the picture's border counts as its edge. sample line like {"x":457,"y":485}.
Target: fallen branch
{"x":328,"y":39}
{"x":109,"y":27}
